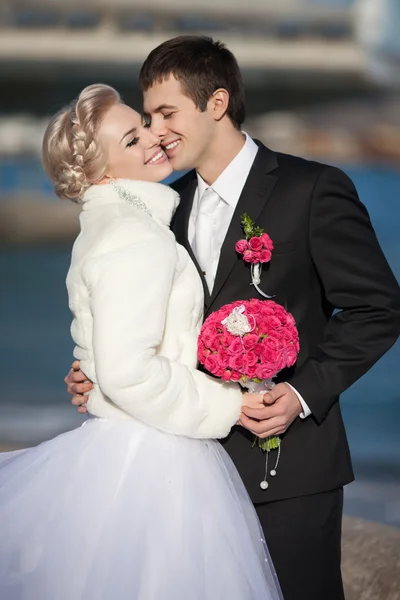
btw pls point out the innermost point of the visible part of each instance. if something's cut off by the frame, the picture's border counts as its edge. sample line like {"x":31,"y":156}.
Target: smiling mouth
{"x":172,"y":145}
{"x":156,"y":158}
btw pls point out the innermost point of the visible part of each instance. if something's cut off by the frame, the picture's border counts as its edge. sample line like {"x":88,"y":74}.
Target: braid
{"x":72,"y":156}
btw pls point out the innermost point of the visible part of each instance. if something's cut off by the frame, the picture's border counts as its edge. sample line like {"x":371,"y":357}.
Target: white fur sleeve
{"x":130,"y":288}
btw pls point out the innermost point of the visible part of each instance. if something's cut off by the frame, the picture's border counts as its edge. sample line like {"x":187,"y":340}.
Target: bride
{"x":139,"y":503}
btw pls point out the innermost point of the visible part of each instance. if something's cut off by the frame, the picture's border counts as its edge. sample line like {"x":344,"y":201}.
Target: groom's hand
{"x":79,"y":386}
{"x":281,"y":407}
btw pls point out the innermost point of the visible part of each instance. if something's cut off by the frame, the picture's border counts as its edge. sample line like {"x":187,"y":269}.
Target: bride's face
{"x":134,"y":152}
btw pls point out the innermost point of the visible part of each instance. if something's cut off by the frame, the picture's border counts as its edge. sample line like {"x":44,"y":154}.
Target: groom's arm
{"x":357,"y":280}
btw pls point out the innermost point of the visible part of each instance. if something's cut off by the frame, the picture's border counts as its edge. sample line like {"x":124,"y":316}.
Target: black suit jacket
{"x":326,"y":257}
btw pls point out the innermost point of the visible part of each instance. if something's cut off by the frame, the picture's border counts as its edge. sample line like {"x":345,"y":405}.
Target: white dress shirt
{"x":228,"y":187}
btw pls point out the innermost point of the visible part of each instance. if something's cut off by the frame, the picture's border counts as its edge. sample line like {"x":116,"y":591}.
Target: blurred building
{"x":296,"y":55}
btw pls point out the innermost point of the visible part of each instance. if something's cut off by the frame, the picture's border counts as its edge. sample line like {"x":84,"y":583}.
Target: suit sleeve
{"x":130,"y":289}
{"x":357,"y":280}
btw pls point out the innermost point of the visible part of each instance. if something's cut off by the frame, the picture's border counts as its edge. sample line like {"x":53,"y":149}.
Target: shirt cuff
{"x":306,"y":409}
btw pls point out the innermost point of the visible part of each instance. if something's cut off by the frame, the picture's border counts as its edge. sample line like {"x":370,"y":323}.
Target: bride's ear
{"x":104,"y":180}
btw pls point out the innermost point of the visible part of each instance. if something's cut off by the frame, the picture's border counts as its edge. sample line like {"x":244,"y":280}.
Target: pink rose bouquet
{"x":249,"y":342}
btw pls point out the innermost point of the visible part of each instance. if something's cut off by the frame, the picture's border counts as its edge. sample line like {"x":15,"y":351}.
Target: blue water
{"x":36,"y":349}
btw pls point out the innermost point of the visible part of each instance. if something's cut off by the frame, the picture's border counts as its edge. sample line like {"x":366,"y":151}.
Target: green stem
{"x":267,"y":444}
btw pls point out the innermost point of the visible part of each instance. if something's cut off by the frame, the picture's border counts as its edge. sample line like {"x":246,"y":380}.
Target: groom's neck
{"x":226,"y":144}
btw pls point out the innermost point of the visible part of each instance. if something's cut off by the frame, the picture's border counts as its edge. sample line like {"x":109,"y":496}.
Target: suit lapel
{"x":255,"y":195}
{"x":180,"y":225}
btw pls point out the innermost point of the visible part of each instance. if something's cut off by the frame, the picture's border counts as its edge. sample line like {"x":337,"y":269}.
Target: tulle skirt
{"x":115,"y":510}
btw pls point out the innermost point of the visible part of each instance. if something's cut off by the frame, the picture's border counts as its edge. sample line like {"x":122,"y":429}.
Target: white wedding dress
{"x":139,"y":503}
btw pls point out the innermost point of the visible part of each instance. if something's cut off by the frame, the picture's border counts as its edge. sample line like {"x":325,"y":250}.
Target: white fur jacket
{"x":137,"y":302}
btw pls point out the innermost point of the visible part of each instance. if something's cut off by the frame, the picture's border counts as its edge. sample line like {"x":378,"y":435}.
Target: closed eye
{"x":133,"y":142}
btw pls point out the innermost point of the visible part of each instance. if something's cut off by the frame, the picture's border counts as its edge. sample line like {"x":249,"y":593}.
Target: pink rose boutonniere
{"x":256,"y":250}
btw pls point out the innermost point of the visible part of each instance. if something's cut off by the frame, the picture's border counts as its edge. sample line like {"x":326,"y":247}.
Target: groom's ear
{"x":218,"y":103}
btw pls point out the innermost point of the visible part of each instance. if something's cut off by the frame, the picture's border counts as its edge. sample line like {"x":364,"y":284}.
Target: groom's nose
{"x":158,"y":126}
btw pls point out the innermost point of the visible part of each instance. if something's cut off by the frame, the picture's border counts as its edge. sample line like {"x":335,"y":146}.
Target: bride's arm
{"x":130,"y":288}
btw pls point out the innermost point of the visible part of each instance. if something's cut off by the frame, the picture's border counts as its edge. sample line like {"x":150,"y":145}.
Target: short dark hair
{"x":202,"y":66}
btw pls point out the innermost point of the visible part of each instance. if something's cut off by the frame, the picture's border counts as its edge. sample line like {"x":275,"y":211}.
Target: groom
{"x":326,"y":257}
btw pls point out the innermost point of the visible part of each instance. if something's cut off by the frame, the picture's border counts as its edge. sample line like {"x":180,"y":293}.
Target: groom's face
{"x":185,"y":132}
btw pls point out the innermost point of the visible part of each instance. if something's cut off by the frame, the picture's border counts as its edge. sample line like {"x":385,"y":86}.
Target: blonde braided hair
{"x":71,"y":153}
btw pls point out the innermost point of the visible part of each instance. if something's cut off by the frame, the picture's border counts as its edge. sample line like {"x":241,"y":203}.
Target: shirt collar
{"x":230,"y":183}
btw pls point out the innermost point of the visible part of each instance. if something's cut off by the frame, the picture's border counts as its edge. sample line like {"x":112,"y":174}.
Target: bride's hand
{"x":253,"y":400}
{"x":79,"y":386}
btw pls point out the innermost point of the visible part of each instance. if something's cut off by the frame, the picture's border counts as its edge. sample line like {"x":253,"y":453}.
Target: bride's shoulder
{"x":140,"y":239}
{"x":133,"y":229}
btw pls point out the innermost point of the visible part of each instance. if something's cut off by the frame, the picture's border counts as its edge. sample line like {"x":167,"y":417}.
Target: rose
{"x":226,"y":339}
{"x":236,"y":362}
{"x":211,"y":364}
{"x":267,"y":242}
{"x":236,"y":346}
{"x":267,"y":310}
{"x":223,"y":357}
{"x":251,"y":372}
{"x":250,"y":359}
{"x":248,"y":256}
{"x":291,"y":355}
{"x":210,"y":329}
{"x":213,"y":343}
{"x":290,"y":320}
{"x":294,"y":331}
{"x":255,"y":244}
{"x":235,"y":304}
{"x":272,"y":342}
{"x":282,"y":361}
{"x":281,"y":313}
{"x":274,"y":322}
{"x":250,"y":341}
{"x":287,"y":357}
{"x":235,"y":376}
{"x":226,"y":375}
{"x":202,"y":353}
{"x":259,"y":349}
{"x":241,"y":246}
{"x":256,"y":257}
{"x":269,"y":355}
{"x":267,"y":328}
{"x":223,"y":314}
{"x":208,"y":332}
{"x":265,"y":256}
{"x":208,"y":335}
{"x":282,"y":317}
{"x":266,"y":371}
{"x":254,"y":307}
{"x":286,"y":334}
